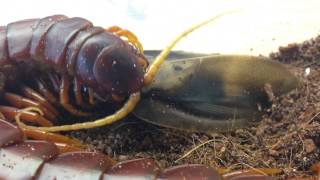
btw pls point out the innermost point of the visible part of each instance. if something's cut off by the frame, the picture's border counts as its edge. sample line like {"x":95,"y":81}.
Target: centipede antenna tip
{"x":154,"y":67}
{"x":121,"y":113}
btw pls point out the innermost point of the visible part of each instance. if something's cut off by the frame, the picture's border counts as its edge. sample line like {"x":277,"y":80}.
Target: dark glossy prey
{"x":210,"y":93}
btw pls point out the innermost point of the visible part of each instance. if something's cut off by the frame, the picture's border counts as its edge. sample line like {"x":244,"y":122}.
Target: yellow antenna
{"x":155,"y":66}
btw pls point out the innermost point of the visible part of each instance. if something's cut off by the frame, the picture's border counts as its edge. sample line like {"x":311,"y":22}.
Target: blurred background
{"x":260,"y":28}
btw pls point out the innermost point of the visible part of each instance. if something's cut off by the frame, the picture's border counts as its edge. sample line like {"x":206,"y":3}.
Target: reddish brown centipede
{"x":58,"y":53}
{"x":41,"y":59}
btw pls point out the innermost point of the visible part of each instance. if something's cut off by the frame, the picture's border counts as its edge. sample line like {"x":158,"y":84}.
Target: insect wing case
{"x":210,"y":93}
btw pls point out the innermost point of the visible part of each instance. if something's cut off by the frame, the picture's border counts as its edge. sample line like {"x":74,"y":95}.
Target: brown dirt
{"x":286,"y":138}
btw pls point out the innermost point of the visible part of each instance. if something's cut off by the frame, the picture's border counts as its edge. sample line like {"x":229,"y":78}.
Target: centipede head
{"x":120,"y":70}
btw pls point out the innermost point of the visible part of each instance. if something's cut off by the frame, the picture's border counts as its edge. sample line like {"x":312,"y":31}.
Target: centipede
{"x":59,"y":55}
{"x":72,"y":53}
{"x":58,"y":64}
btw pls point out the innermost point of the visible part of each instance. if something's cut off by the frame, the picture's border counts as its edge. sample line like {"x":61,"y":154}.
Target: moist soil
{"x":286,"y":137}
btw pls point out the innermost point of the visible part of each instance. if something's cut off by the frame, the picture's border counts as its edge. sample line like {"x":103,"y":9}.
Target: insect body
{"x":210,"y":93}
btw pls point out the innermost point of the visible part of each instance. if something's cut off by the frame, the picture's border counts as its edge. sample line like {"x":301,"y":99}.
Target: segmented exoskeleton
{"x":77,"y":51}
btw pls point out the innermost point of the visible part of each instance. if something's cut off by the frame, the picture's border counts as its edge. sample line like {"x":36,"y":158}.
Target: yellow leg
{"x":64,"y":98}
{"x":127,"y":34}
{"x":11,"y":112}
{"x":56,"y":138}
{"x":133,"y":99}
{"x":90,"y":96}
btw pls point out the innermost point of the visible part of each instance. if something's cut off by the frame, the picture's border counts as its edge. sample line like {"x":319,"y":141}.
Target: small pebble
{"x":309,"y":145}
{"x":273,"y":152}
